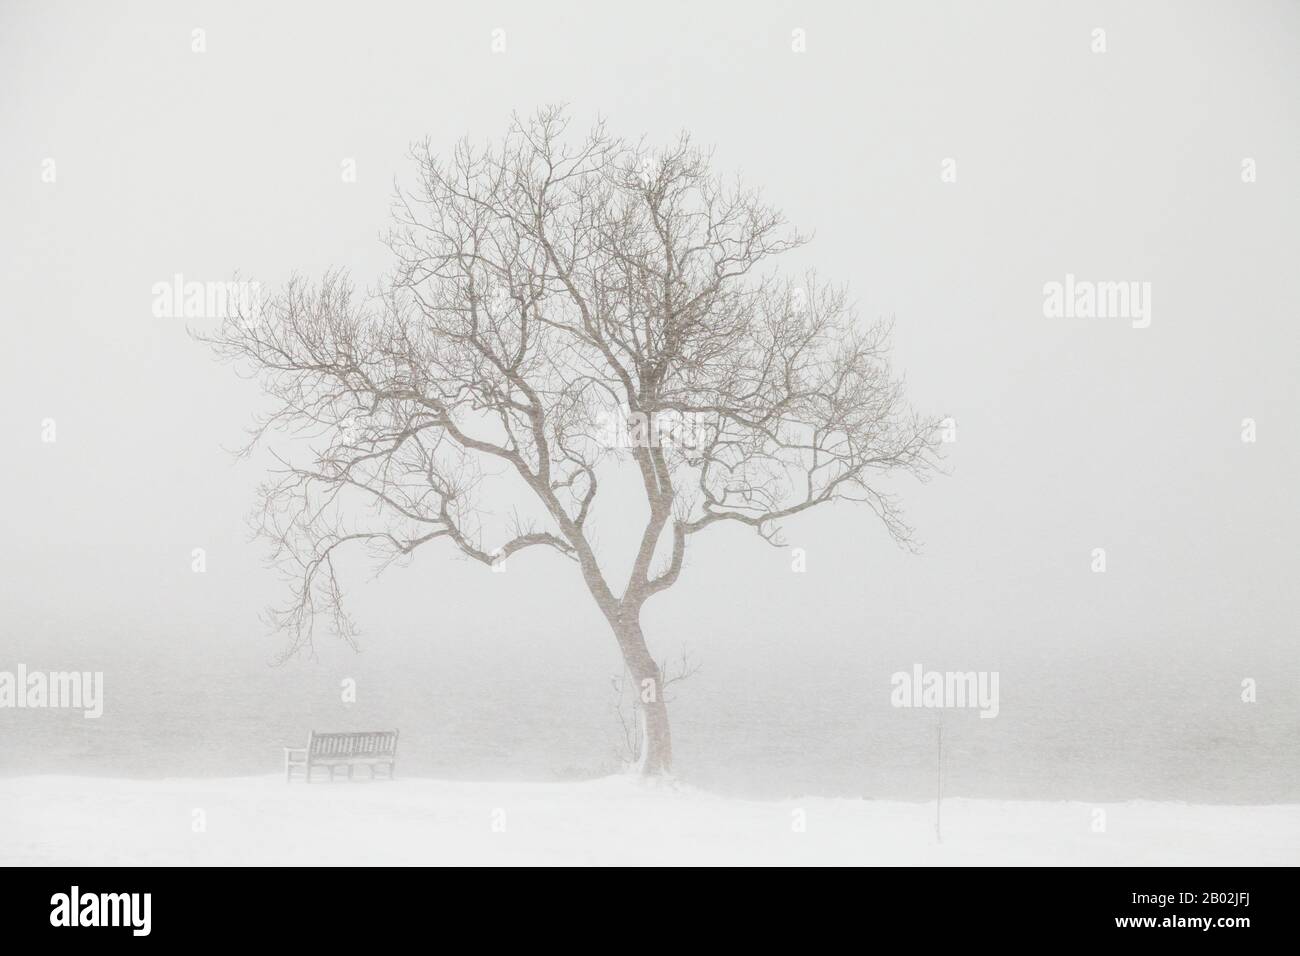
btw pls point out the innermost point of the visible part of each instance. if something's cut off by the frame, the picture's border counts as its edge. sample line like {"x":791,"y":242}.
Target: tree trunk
{"x":656,"y":756}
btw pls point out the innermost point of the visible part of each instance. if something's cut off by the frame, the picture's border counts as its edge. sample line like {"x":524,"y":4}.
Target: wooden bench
{"x":373,"y":749}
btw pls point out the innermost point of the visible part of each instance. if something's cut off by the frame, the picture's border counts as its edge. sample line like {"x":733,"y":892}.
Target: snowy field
{"x":261,"y":820}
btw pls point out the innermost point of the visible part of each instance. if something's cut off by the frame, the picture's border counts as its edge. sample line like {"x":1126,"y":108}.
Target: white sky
{"x":1072,"y":434}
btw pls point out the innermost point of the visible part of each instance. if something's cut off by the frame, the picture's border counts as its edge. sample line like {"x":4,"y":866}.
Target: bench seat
{"x":374,"y":749}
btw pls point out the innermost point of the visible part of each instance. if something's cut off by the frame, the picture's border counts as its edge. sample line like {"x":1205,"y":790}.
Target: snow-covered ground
{"x":261,"y":820}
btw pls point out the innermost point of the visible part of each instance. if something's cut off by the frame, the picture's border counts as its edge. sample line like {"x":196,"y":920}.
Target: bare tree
{"x":561,"y":306}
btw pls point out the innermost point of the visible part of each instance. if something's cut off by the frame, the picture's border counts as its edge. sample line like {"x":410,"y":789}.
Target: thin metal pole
{"x":938,"y":788}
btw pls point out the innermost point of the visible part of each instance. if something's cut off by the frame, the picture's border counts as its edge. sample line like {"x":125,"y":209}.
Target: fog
{"x":1072,"y":434}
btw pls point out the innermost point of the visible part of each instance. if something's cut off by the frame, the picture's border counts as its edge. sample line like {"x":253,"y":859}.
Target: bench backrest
{"x":373,"y":743}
